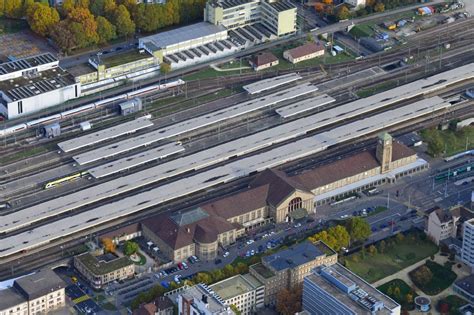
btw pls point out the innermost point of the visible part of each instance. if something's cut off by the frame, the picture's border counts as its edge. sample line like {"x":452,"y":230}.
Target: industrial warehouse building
{"x":275,"y":197}
{"x":228,"y":26}
{"x":34,"y":83}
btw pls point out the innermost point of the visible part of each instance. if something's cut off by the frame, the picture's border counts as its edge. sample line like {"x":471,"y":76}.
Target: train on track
{"x":65,"y":179}
{"x":89,"y":107}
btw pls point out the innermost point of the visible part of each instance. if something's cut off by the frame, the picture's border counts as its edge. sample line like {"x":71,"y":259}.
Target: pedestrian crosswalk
{"x":81,"y":299}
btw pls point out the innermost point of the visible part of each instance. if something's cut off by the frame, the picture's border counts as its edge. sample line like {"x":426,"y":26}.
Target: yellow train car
{"x":66,"y":179}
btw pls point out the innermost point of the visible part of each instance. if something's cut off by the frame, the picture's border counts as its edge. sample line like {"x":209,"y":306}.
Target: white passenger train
{"x":88,"y":107}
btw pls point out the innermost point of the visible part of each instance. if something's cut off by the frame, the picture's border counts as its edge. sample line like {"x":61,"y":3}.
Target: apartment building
{"x":243,"y":291}
{"x":101,"y":270}
{"x":446,"y":223}
{"x":288,"y":268}
{"x":40,"y":293}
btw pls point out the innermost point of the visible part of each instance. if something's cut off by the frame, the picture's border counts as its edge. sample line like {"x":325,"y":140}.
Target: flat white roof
{"x":194,"y":123}
{"x":183,"y":34}
{"x":105,"y":134}
{"x":271,"y":83}
{"x":136,"y":160}
{"x":304,"y":105}
{"x":185,"y":186}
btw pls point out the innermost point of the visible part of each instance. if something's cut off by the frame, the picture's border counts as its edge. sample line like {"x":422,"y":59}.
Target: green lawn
{"x":23,"y":154}
{"x":12,"y":25}
{"x":398,"y":255}
{"x":362,"y":30}
{"x":442,"y":278}
{"x":122,"y":58}
{"x":451,"y":141}
{"x":389,"y":288}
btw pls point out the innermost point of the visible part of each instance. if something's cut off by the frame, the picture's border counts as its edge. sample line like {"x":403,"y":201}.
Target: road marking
{"x":81,"y":299}
{"x":438,"y":199}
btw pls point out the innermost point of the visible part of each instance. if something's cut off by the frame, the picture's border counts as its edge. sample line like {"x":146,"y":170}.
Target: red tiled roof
{"x":263,"y":59}
{"x":279,"y":185}
{"x":177,"y":237}
{"x":306,"y":49}
{"x":400,"y":151}
{"x":347,"y":167}
{"x":238,"y":204}
{"x":332,"y":172}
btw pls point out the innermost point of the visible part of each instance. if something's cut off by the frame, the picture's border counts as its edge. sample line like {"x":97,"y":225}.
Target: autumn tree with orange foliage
{"x":288,"y":302}
{"x":108,"y":244}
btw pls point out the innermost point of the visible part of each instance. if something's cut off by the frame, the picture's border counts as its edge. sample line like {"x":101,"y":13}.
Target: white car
{"x":297,"y":225}
{"x":249,"y":242}
{"x":225,"y":254}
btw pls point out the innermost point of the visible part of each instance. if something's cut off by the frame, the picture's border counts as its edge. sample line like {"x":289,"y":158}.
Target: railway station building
{"x":34,"y":83}
{"x":273,"y":196}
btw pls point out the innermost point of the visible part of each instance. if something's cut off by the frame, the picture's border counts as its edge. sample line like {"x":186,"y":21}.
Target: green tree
{"x":390,"y":291}
{"x":341,"y":235}
{"x":105,"y":30}
{"x":422,"y":275}
{"x":14,"y":8}
{"x":409,"y":298}
{"x":165,"y":68}
{"x":88,"y":24}
{"x":343,"y":13}
{"x":242,"y":268}
{"x":372,"y":250}
{"x":42,"y":18}
{"x":288,"y":302}
{"x":123,"y":22}
{"x":379,"y":7}
{"x":2,"y":7}
{"x":382,"y":246}
{"x":148,"y":18}
{"x":217,"y":275}
{"x":328,"y":239}
{"x":83,"y":4}
{"x":229,"y":271}
{"x":109,"y":8}
{"x":63,"y":36}
{"x":358,"y":228}
{"x":202,"y":277}
{"x":400,"y":237}
{"x":235,"y":309}
{"x":67,"y":6}
{"x":97,"y":7}
{"x":396,"y":293}
{"x":363,"y":251}
{"x":130,"y":248}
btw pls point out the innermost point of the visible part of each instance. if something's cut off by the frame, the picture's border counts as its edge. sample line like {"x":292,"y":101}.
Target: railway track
{"x":232,"y":126}
{"x":51,"y":256}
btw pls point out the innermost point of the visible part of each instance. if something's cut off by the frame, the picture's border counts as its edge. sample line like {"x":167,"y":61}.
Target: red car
{"x":180,"y":266}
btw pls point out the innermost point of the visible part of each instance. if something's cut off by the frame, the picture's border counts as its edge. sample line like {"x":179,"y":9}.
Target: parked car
{"x":217,"y":261}
{"x":225,"y":254}
{"x":185,"y":265}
